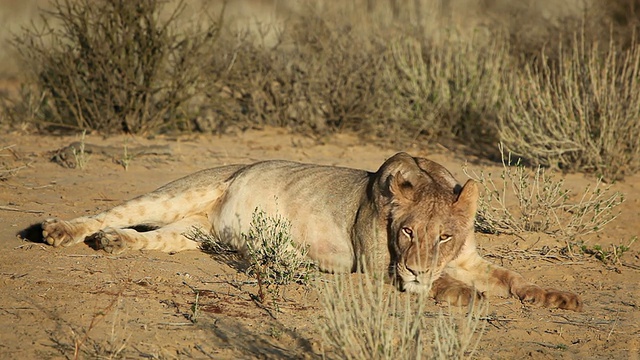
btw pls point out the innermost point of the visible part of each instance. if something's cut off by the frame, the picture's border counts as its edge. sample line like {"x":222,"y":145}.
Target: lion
{"x":410,"y":218}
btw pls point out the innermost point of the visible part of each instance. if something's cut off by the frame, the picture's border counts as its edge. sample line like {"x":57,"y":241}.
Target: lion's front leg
{"x":534,"y":294}
{"x":453,"y":291}
{"x":493,"y":279}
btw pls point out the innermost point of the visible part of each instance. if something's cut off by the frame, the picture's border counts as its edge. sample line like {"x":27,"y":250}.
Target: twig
{"x":199,"y":348}
{"x":632,"y":266}
{"x":7,"y":208}
{"x":7,"y":147}
{"x":613,"y":326}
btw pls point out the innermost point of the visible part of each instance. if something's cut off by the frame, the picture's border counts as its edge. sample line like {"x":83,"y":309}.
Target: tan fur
{"x":410,"y":216}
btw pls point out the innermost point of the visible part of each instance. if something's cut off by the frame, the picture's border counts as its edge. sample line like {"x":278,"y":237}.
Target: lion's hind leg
{"x":169,"y":238}
{"x":159,"y":208}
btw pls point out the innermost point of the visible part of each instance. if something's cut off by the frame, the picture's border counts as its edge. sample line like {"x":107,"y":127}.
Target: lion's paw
{"x":57,"y":232}
{"x":109,"y":240}
{"x":458,"y":295}
{"x":550,"y":298}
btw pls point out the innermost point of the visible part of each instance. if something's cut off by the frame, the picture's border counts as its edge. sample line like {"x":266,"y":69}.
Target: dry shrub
{"x":448,"y":87}
{"x":320,"y":76}
{"x":580,"y":113}
{"x":533,"y":200}
{"x":365,"y":319}
{"x":111,"y":65}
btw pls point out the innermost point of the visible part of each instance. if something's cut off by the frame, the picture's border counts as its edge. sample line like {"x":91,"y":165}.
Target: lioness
{"x":410,"y":215}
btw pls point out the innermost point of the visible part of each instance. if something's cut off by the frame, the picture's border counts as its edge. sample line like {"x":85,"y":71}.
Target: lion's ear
{"x":467,"y":201}
{"x":397,"y":178}
{"x":401,"y":187}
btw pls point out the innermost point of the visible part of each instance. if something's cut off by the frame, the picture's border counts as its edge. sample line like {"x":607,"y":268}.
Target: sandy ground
{"x":54,"y":302}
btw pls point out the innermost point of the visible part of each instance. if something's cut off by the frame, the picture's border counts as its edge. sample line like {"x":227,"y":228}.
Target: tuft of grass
{"x":458,"y":338}
{"x":126,"y":159}
{"x":81,"y":157}
{"x":364,"y":319}
{"x":532,"y":200}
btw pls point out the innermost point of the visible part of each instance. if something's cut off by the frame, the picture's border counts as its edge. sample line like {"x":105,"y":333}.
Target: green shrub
{"x":274,"y":257}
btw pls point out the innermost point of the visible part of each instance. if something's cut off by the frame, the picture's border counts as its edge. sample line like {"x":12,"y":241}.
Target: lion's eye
{"x":444,"y":238}
{"x":408,"y":232}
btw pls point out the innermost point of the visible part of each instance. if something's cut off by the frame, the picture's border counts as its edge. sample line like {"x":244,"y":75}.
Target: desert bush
{"x":274,"y":257}
{"x":320,"y":76}
{"x":111,"y":65}
{"x":365,"y":319}
{"x":580,"y":113}
{"x":448,"y":87}
{"x":533,"y":200}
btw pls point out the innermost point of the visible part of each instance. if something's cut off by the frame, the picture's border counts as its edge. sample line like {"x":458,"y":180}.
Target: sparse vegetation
{"x":608,"y":256}
{"x":520,"y":199}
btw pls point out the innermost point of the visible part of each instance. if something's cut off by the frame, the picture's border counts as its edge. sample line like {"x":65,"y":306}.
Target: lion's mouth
{"x":414,"y":285}
{"x":417,"y":284}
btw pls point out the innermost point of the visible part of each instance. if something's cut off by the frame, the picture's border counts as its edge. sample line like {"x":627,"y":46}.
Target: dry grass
{"x":366,"y":319}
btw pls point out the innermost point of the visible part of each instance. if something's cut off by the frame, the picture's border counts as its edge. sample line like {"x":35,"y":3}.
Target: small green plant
{"x":195,"y":309}
{"x":532,"y":200}
{"x":210,"y":244}
{"x":126,"y":158}
{"x":274,"y":257}
{"x":80,"y":156}
{"x":609,"y":256}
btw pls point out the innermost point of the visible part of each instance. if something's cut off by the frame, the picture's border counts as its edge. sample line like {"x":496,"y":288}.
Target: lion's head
{"x":428,"y":215}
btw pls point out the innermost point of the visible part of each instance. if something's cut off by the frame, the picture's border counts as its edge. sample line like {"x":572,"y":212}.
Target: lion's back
{"x":321,"y":202}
